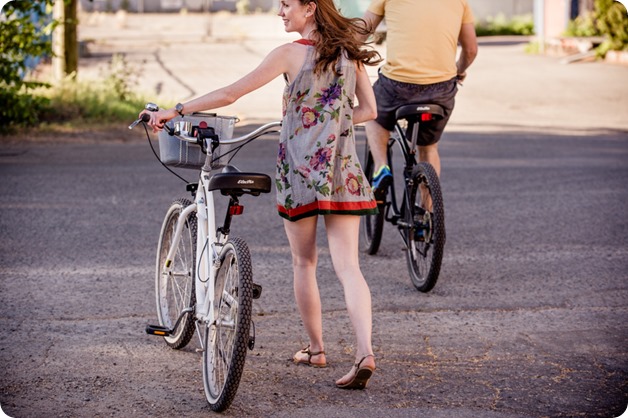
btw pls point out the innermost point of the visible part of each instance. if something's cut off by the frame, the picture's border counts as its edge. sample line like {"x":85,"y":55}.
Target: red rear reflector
{"x":236,"y":210}
{"x":425,"y":117}
{"x":202,"y":124}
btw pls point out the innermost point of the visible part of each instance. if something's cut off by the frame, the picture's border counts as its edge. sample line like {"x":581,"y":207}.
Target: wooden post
{"x":71,"y":37}
{"x":65,"y":39}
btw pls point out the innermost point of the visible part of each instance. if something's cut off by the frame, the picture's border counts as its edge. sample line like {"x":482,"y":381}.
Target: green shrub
{"x":500,"y":25}
{"x":583,"y":25}
{"x":111,"y":100}
{"x":24,"y":38}
{"x":612,"y":21}
{"x":609,"y":19}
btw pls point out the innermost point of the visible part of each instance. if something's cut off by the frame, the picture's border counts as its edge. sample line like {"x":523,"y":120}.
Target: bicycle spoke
{"x":175,"y":283}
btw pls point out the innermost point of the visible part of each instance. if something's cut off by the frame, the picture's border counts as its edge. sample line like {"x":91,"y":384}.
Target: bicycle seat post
{"x":413,"y":127}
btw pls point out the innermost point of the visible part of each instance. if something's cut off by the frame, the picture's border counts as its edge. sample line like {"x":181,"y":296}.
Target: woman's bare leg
{"x":302,"y":237}
{"x":343,"y":235}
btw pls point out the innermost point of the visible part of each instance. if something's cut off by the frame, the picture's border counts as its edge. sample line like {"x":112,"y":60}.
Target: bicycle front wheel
{"x":425,"y":235}
{"x":174,"y":284}
{"x":371,"y":226}
{"x":226,"y":340}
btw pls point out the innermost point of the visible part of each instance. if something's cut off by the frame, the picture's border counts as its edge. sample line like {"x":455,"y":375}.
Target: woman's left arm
{"x":367,"y":107}
{"x":280,"y":60}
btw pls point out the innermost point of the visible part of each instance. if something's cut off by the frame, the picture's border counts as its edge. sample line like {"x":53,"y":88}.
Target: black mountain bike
{"x":418,"y":213}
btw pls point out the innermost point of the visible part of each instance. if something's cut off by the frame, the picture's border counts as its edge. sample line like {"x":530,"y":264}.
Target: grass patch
{"x":88,"y":102}
{"x":72,"y":105}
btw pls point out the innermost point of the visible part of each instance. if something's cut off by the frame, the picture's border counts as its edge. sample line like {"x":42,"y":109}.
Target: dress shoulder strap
{"x":305,"y":42}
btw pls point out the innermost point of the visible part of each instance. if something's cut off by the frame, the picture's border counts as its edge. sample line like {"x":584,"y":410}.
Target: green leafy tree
{"x":25,"y":31}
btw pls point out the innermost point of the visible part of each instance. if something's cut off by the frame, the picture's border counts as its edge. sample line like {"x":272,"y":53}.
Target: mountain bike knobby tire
{"x":371,"y":226}
{"x":226,"y":341}
{"x":425,"y":238}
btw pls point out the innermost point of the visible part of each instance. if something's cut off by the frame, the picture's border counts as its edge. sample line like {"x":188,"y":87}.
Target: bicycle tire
{"x":371,"y":226}
{"x":425,"y":239}
{"x":175,"y":287}
{"x":226,"y":341}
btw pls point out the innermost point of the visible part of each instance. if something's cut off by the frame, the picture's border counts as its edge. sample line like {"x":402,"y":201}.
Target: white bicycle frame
{"x":203,"y":206}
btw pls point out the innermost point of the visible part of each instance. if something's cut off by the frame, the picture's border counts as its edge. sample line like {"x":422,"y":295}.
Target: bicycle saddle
{"x":232,"y":181}
{"x":420,"y":111}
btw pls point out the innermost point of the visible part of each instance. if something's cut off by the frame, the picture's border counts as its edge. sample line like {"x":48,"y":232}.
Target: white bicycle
{"x":204,"y":277}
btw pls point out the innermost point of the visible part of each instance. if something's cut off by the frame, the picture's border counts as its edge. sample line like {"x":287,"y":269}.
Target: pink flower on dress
{"x":309,"y":117}
{"x":353,"y":185}
{"x":321,"y":159}
{"x":304,"y":171}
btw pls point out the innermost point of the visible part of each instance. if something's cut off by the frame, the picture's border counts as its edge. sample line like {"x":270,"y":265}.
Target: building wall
{"x":491,"y":8}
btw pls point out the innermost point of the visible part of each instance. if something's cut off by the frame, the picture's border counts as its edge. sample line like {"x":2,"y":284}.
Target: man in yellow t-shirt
{"x":421,"y":47}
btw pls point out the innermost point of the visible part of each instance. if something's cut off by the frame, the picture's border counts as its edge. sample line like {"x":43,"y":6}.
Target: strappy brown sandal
{"x":361,"y":377}
{"x":308,"y":361}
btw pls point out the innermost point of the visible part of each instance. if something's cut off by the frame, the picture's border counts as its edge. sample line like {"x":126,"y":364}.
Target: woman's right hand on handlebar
{"x":159,"y":118}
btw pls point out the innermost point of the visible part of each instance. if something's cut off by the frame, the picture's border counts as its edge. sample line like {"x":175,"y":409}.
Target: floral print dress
{"x":318,"y":171}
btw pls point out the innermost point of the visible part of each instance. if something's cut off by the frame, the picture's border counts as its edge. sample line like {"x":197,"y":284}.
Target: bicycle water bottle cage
{"x":233,"y":182}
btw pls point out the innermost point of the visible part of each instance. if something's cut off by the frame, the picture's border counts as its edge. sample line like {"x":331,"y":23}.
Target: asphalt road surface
{"x":528,"y":317}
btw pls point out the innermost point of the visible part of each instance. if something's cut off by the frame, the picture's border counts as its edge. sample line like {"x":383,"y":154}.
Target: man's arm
{"x":469,"y":43}
{"x":372,"y":21}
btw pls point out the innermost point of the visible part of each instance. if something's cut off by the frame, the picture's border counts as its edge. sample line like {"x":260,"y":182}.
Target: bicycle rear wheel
{"x":174,"y":286}
{"x":425,"y":237}
{"x":226,"y":341}
{"x":371,"y":226}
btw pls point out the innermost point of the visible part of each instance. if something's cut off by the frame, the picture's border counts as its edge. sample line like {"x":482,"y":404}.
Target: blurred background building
{"x":550,"y":16}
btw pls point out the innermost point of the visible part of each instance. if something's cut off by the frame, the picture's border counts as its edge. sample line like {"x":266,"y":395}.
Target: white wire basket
{"x":176,"y":152}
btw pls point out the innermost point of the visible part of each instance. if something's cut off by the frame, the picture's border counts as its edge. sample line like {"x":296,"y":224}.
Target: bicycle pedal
{"x":257,"y":291}
{"x":158,"y":330}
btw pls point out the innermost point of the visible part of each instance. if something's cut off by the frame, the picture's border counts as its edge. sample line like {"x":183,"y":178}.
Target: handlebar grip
{"x":144,"y":118}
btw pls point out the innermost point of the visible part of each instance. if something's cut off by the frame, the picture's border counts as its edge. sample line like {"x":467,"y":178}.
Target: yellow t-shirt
{"x":422,"y":38}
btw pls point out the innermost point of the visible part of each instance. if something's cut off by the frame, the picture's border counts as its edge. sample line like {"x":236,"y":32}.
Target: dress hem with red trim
{"x":328,"y":208}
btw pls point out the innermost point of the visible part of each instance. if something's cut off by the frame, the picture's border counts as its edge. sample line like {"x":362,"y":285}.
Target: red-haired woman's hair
{"x":336,"y":33}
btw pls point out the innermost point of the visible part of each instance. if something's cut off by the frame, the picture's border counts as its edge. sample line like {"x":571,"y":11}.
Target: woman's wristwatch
{"x":179,"y":108}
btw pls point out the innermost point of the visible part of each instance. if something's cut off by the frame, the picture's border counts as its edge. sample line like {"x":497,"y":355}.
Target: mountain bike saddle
{"x":420,"y":111}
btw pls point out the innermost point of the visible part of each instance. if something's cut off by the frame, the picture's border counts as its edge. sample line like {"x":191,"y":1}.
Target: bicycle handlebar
{"x":264,"y":129}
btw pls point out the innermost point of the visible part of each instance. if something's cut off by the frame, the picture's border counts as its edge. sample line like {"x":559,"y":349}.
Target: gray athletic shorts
{"x":391,"y":94}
